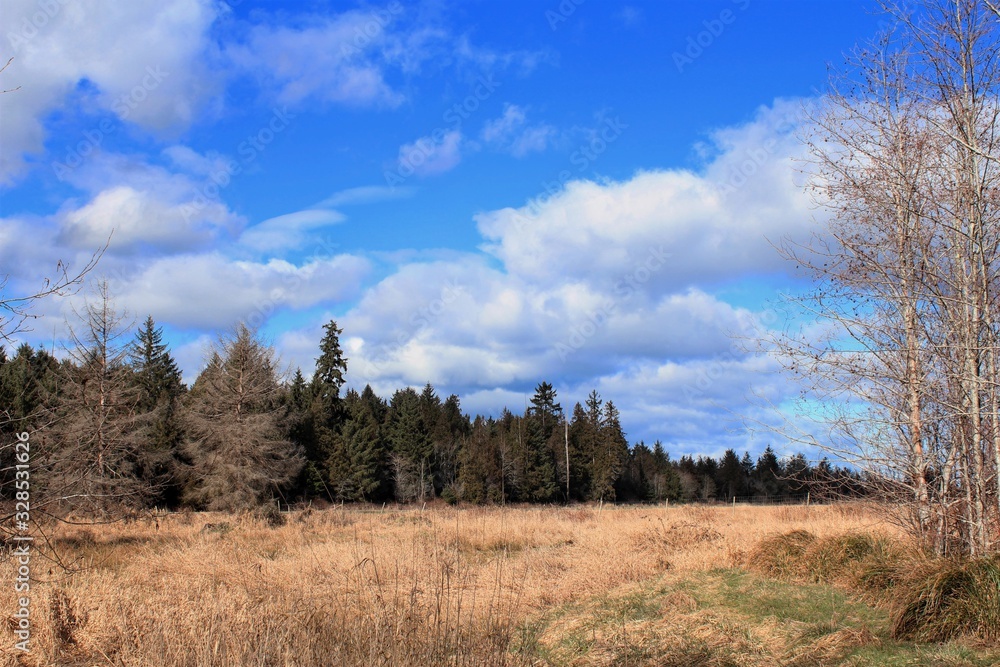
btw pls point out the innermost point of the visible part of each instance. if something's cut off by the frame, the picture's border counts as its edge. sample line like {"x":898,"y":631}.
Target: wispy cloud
{"x":430,"y":156}
{"x":512,"y":133}
{"x":366,"y":194}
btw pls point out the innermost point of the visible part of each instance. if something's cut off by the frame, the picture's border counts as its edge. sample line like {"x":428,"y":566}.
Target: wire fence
{"x":790,"y":499}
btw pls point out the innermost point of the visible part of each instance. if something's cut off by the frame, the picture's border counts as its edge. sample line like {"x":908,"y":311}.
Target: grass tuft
{"x":947,"y":599}
{"x":781,"y":555}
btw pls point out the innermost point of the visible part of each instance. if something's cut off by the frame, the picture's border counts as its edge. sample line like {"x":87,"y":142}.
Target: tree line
{"x":113,"y":426}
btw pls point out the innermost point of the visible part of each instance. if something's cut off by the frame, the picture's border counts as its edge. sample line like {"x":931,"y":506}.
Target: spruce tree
{"x":767,"y":474}
{"x":361,"y":464}
{"x":155,"y":372}
{"x":321,"y":439}
{"x":302,"y":426}
{"x":331,"y":365}
{"x":611,"y":454}
{"x":731,"y":480}
{"x":158,"y":381}
{"x":481,"y":472}
{"x":540,"y":477}
{"x":581,"y":447}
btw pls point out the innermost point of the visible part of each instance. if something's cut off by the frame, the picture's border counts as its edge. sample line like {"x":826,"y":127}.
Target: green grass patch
{"x":758,"y":598}
{"x":729,"y":617}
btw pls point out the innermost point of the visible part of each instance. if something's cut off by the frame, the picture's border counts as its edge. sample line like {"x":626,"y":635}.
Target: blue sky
{"x":485,"y":195}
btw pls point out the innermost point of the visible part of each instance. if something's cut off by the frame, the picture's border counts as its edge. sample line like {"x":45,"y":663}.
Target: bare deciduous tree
{"x":92,"y":451}
{"x":908,"y":273}
{"x":240,"y":453}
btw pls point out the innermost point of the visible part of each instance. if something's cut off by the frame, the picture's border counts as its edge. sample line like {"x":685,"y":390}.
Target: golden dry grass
{"x":344,"y":587}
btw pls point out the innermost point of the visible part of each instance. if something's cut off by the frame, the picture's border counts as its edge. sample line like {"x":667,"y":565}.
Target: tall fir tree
{"x":323,"y":447}
{"x":540,"y":482}
{"x":331,"y":365}
{"x":157,"y":379}
{"x":611,"y":454}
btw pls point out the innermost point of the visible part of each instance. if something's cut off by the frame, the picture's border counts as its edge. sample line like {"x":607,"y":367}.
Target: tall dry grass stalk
{"x":341,"y":587}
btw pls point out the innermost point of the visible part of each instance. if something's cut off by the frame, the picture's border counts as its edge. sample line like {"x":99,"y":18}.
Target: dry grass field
{"x":446,"y":586}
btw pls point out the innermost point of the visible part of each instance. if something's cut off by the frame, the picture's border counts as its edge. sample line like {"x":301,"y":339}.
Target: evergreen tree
{"x":748,"y":468}
{"x":707,"y":470}
{"x":540,"y":482}
{"x":797,"y":474}
{"x":666,"y":482}
{"x":634,"y":482}
{"x":545,"y":408}
{"x":610,"y":455}
{"x":731,"y":478}
{"x":157,"y":380}
{"x":302,"y":425}
{"x":331,"y":365}
{"x":360,"y":469}
{"x":449,"y":436}
{"x":481,"y":476}
{"x":27,"y":381}
{"x":767,"y":474}
{"x":155,"y":372}
{"x":509,"y":443}
{"x":411,"y":447}
{"x":319,"y":428}
{"x":582,"y":438}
